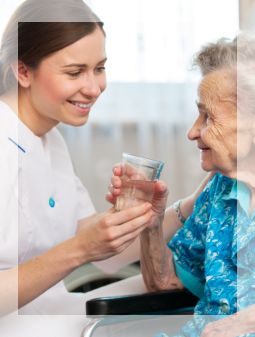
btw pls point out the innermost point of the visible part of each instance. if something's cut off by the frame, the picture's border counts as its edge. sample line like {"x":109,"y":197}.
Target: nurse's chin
{"x":77,"y":121}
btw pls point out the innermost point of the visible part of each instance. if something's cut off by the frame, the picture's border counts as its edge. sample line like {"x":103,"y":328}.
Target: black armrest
{"x":150,"y":303}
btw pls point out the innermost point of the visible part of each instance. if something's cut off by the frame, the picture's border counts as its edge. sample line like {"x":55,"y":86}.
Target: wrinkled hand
{"x":159,"y":199}
{"x":235,"y":325}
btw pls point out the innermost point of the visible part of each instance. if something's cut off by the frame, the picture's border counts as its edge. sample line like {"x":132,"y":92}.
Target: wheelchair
{"x":108,"y":311}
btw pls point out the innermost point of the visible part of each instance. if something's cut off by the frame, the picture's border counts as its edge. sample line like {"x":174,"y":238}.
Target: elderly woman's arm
{"x":156,"y":258}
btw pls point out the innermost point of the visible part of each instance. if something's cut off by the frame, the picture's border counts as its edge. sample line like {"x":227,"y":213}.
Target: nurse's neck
{"x":22,"y":107}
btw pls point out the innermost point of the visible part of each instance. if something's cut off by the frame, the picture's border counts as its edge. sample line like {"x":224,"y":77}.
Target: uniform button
{"x":52,"y":202}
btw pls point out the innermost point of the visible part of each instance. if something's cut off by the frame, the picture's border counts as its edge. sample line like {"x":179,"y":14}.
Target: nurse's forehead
{"x":89,"y":49}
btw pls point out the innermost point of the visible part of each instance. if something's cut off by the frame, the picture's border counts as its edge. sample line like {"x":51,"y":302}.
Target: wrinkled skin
{"x":215,"y":129}
{"x":235,"y":325}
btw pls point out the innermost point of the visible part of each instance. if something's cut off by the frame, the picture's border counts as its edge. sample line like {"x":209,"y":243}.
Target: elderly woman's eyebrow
{"x":201,"y":106}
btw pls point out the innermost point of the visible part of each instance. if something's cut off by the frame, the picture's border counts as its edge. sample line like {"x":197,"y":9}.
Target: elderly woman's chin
{"x":220,"y":164}
{"x":206,"y":160}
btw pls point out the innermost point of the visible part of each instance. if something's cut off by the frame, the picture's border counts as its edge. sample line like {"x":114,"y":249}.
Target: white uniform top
{"x":38,"y":177}
{"x":41,"y":199}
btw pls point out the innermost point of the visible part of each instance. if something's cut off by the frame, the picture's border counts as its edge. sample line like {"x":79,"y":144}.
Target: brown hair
{"x":44,"y":27}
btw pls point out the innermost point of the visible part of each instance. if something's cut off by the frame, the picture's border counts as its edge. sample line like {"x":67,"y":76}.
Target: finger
{"x":117,"y":169}
{"x":133,"y":225}
{"x":116,"y":182}
{"x":160,"y":189}
{"x":114,"y":191}
{"x":110,"y":198}
{"x":128,"y":238}
{"x":128,"y":214}
{"x":133,"y":173}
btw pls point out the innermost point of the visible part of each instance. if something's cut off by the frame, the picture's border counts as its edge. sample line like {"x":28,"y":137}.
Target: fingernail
{"x":163,"y":186}
{"x":148,"y":206}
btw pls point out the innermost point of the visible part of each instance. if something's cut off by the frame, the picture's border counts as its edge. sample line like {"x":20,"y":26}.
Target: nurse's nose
{"x":91,"y":87}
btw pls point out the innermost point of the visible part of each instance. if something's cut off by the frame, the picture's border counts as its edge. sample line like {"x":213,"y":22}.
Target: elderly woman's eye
{"x":208,"y":118}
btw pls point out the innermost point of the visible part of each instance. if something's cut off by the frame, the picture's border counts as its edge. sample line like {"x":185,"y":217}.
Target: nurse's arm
{"x":100,"y":239}
{"x":8,"y":291}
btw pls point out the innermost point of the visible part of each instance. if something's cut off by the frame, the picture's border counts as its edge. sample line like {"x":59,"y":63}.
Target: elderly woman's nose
{"x":193,"y":133}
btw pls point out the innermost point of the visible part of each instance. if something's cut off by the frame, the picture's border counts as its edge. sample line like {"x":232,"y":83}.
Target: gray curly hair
{"x":236,"y":56}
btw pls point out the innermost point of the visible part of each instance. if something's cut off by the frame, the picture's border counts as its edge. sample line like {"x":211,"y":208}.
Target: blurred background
{"x":149,"y":103}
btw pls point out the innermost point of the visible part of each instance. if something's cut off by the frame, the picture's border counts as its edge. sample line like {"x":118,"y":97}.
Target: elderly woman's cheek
{"x":214,"y":138}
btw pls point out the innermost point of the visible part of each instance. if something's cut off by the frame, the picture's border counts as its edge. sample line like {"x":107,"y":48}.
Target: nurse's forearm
{"x":41,"y":273}
{"x":21,"y":285}
{"x":156,"y":259}
{"x":8,"y":291}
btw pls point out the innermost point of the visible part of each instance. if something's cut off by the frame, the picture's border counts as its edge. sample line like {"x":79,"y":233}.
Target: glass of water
{"x":139,"y":177}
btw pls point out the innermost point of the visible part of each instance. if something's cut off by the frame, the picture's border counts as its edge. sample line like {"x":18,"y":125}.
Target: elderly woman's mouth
{"x":203,"y":149}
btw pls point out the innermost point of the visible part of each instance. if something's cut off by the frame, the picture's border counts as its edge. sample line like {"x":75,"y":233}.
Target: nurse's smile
{"x":82,"y":107}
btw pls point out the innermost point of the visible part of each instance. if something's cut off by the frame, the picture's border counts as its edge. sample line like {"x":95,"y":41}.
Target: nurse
{"x":45,"y":210}
{"x":48,"y":225}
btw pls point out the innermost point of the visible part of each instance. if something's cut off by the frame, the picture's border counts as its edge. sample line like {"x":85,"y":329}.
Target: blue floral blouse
{"x":216,"y":247}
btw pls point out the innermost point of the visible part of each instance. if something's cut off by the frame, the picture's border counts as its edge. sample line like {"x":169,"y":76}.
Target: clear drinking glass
{"x":138,"y":181}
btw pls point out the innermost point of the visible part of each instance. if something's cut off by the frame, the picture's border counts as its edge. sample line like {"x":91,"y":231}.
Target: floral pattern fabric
{"x":217,"y":244}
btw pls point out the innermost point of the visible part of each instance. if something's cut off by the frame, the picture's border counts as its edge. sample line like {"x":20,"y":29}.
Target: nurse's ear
{"x":22,"y":73}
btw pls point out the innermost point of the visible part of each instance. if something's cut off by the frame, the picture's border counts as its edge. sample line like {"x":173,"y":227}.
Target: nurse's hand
{"x":160,"y":195}
{"x":187,"y":204}
{"x":110,"y":233}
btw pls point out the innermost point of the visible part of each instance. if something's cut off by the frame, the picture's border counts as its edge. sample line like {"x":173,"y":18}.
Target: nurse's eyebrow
{"x":82,"y":65}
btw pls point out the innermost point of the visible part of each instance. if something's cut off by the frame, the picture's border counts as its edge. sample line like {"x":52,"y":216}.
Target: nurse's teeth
{"x":82,"y":105}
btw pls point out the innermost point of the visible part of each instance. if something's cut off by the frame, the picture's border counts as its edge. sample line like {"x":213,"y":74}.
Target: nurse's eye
{"x":100,"y":70}
{"x":75,"y":74}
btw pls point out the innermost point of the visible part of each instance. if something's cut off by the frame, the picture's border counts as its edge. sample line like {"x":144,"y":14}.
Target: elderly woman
{"x":213,"y":255}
